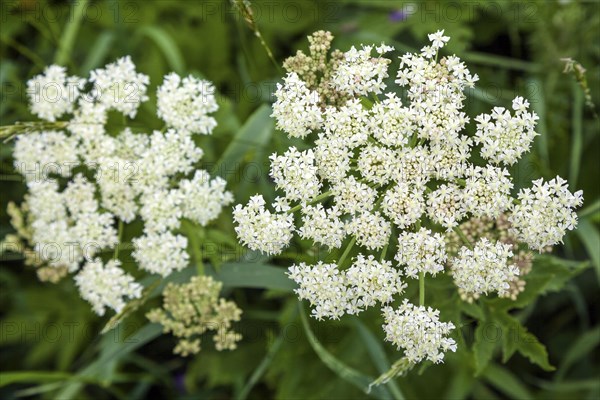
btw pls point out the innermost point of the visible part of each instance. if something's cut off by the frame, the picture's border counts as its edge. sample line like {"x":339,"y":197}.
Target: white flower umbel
{"x":421,"y":252}
{"x":378,"y":164}
{"x":53,"y":93}
{"x":106,"y":286}
{"x":373,"y":281}
{"x":161,"y":210}
{"x":202,"y":198}
{"x":391,"y":123}
{"x":184,"y":104}
{"x":545,"y":212}
{"x":370,"y":229}
{"x":296,"y":110}
{"x":128,"y":177}
{"x":374,"y":163}
{"x":161,"y":253}
{"x":403,"y":205}
{"x":324,"y":286}
{"x":487,"y":191}
{"x":446,"y":205}
{"x":505,"y":138}
{"x":259,"y":229}
{"x":352,"y":196}
{"x":119,"y":87}
{"x":484,"y":269}
{"x":296,"y":174}
{"x":323,"y":226}
{"x":39,"y":155}
{"x":360,"y":73}
{"x":419,"y":332}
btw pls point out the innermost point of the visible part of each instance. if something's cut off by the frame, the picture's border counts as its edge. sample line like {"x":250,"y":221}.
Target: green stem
{"x":383,"y":252}
{"x":421,"y":288}
{"x":191,"y":234}
{"x":320,"y":197}
{"x":68,"y":39}
{"x":119,"y":236}
{"x":464,"y":238}
{"x":346,"y":252}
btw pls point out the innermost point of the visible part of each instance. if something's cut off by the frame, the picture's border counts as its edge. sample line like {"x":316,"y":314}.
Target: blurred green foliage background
{"x":515,"y":47}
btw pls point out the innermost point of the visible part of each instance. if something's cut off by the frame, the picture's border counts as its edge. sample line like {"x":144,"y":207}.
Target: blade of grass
{"x":590,"y":237}
{"x":65,"y":46}
{"x":260,"y":370}
{"x":378,"y":356}
{"x":345,"y":372}
{"x":167,"y":46}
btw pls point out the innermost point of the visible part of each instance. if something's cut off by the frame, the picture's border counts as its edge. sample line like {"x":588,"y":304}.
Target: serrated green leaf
{"x":517,"y":338}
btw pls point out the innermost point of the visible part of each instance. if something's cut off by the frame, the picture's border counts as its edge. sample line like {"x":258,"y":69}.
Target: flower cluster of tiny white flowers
{"x":380,"y":165}
{"x":296,"y":174}
{"x":131,"y":174}
{"x":297,"y":108}
{"x":504,"y":138}
{"x":118,"y":86}
{"x":63,"y":231}
{"x":545,"y":212}
{"x":361,"y":74}
{"x":53,"y":93}
{"x":333,"y":292}
{"x":421,"y":252}
{"x":419,"y":332}
{"x":106,"y":285}
{"x":485,"y":268}
{"x":185,"y":104}
{"x":259,"y":229}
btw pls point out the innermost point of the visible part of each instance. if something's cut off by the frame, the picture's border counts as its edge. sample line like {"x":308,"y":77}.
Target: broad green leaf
{"x":504,"y":381}
{"x":254,"y":134}
{"x":253,"y":275}
{"x":342,"y":370}
{"x":590,"y":237}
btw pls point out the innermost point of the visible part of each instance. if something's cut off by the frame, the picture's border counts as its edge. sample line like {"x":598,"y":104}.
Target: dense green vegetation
{"x":50,"y":340}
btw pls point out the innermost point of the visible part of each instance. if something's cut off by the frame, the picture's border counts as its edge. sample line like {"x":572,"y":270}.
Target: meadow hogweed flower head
{"x":376,"y":165}
{"x":122,"y":176}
